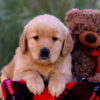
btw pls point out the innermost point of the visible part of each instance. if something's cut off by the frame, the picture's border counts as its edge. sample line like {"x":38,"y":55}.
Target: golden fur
{"x":27,"y":64}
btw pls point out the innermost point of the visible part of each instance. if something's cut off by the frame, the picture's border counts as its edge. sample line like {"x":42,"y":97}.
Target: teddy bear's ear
{"x":70,"y":14}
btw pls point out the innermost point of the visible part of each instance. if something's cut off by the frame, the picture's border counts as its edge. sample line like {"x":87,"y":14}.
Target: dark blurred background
{"x":14,"y":14}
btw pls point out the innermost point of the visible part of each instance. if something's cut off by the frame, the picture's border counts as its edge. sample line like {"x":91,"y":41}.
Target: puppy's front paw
{"x":36,"y":86}
{"x":56,"y":88}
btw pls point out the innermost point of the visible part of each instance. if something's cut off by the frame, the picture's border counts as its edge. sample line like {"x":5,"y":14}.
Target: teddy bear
{"x":84,"y":26}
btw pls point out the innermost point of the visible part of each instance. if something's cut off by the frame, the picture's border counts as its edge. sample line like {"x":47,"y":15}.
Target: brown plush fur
{"x":27,"y":63}
{"x":78,"y":22}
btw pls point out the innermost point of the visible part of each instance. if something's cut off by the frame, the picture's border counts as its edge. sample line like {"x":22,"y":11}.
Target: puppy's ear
{"x":23,"y":42}
{"x":67,"y":45}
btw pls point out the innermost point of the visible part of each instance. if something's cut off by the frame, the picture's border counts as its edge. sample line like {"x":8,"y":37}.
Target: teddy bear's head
{"x":84,"y":26}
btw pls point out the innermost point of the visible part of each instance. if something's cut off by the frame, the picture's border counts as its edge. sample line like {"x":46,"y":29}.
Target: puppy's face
{"x":45,"y":42}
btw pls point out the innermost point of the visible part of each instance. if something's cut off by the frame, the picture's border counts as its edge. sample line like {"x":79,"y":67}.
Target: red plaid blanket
{"x":17,"y":90}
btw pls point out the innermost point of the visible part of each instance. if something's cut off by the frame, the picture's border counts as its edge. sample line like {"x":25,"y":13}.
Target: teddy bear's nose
{"x":90,"y":38}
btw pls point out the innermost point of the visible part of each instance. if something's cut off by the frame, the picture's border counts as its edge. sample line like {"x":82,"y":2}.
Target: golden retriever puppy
{"x":43,"y":55}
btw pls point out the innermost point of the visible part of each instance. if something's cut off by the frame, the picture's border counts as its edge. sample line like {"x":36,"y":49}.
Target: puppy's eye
{"x":54,"y":38}
{"x":36,"y":37}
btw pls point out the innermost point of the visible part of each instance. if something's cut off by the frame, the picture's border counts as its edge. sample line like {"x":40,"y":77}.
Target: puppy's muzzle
{"x":44,"y":53}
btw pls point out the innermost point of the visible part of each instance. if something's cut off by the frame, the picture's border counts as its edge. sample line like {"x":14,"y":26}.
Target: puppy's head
{"x":46,"y":38}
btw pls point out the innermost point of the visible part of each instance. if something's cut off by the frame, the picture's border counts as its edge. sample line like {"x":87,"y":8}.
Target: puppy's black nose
{"x":90,"y":38}
{"x":44,"y":53}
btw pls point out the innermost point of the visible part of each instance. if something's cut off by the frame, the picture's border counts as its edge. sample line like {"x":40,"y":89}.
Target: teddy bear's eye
{"x":36,"y":37}
{"x":98,"y":31}
{"x":54,"y":38}
{"x":85,"y":28}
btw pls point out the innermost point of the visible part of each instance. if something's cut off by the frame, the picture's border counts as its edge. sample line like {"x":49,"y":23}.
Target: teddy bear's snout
{"x":91,"y":38}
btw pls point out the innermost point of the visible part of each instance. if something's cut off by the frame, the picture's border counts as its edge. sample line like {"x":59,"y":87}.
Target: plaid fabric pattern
{"x":83,"y":90}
